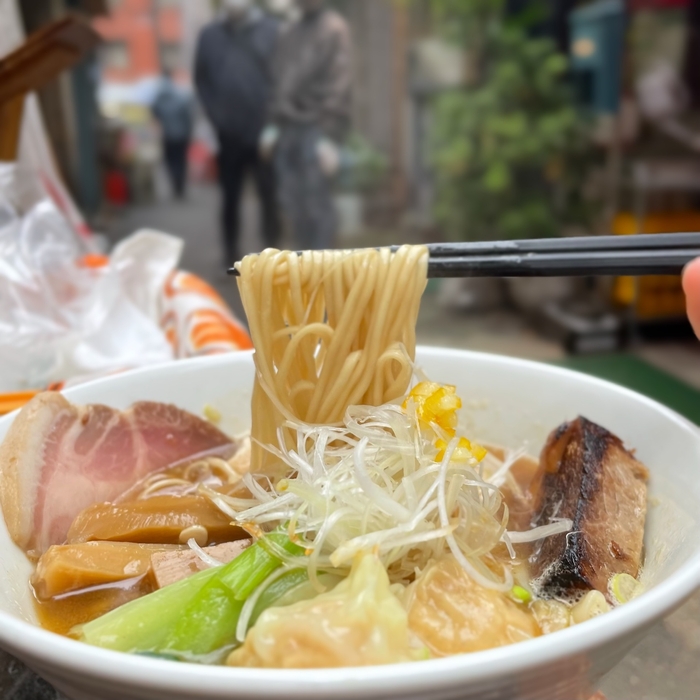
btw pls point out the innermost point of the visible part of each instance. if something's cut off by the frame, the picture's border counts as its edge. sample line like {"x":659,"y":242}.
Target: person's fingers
{"x":691,"y":286}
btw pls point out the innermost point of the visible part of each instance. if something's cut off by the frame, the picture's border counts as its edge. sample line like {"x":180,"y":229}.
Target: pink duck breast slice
{"x":57,"y":459}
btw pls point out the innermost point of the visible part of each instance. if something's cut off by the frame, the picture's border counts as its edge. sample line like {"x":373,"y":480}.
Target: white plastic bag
{"x":62,"y":316}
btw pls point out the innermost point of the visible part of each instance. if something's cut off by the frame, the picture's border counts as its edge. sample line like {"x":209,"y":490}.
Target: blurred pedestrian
{"x":310,"y":116}
{"x":233,"y":76}
{"x":173,"y":108}
{"x":285,"y":11}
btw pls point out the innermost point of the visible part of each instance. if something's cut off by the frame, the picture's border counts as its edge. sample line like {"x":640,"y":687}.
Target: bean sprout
{"x":210,"y":561}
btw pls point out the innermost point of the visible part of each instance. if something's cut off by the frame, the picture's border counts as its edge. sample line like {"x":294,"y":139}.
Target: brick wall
{"x":140,"y":35}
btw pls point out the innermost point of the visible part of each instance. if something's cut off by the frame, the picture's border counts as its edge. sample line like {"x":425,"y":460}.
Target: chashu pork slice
{"x":587,"y":475}
{"x":57,"y":459}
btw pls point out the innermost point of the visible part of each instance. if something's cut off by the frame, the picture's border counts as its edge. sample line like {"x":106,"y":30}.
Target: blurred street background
{"x":444,"y":120}
{"x":470,"y":120}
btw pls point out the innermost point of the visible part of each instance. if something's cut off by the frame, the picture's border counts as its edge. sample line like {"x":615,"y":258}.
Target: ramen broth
{"x":62,"y":613}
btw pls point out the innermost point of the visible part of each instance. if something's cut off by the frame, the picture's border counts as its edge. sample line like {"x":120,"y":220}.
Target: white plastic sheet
{"x":63,"y":317}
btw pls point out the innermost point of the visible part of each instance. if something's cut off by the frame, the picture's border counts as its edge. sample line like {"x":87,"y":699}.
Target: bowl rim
{"x":50,"y":651}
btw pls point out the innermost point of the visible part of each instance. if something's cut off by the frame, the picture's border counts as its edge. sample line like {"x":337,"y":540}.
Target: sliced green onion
{"x":624,"y":588}
{"x":520,"y":594}
{"x":207,"y":623}
{"x":196,"y":616}
{"x":143,"y":624}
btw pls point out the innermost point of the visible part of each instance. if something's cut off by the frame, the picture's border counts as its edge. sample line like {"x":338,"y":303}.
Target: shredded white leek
{"x":374,"y":484}
{"x":539,"y":533}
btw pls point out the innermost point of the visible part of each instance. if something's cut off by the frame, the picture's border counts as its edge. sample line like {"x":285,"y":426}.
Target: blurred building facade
{"x":141,"y":37}
{"x":384,"y":106}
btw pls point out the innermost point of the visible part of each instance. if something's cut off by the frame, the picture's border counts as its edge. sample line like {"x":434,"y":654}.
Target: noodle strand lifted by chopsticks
{"x":331,"y":329}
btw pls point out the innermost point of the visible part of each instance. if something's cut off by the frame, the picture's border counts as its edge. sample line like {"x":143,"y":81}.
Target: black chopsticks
{"x":647,"y":254}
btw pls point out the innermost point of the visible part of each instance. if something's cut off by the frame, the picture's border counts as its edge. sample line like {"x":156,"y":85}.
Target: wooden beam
{"x":42,"y":58}
{"x":10,"y":128}
{"x":94,"y":7}
{"x":45,"y":55}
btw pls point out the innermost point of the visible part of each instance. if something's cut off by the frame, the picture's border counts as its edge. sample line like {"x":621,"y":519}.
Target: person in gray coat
{"x":309,"y":118}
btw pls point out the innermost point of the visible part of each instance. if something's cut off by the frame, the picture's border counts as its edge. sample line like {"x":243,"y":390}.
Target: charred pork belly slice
{"x":587,"y":475}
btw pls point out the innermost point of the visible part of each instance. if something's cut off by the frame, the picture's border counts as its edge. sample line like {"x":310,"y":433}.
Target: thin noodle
{"x":330,"y":329}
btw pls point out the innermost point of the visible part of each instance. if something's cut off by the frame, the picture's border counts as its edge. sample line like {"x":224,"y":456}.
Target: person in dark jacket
{"x":173,"y":109}
{"x":233,"y":77}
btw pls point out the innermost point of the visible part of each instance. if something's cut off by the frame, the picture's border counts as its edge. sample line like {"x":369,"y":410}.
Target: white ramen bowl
{"x":508,"y":402}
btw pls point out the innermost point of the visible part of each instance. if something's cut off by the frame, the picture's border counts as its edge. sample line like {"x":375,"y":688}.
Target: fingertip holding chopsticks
{"x":597,"y":256}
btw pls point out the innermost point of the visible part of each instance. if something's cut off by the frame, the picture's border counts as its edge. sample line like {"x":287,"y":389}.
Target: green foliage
{"x":468,"y":20}
{"x":512,"y":149}
{"x":363,"y":165}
